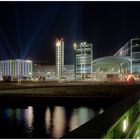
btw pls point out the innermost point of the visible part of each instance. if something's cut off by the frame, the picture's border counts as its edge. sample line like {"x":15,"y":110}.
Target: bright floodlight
{"x":58,"y":43}
{"x":29,"y":61}
{"x":74,"y":45}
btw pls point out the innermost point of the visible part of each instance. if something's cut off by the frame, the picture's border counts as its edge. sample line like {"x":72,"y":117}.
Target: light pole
{"x":131,"y":57}
{"x":75,"y":60}
{"x":131,"y":66}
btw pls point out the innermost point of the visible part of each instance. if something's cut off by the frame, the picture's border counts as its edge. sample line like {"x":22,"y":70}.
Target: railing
{"x":120,"y":121}
{"x":122,"y":128}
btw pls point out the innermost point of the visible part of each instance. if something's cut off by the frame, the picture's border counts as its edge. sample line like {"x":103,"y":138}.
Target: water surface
{"x":43,"y":121}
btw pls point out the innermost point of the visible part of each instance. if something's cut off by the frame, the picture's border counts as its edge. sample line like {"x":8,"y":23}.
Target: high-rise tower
{"x":83,"y":59}
{"x":59,"y":58}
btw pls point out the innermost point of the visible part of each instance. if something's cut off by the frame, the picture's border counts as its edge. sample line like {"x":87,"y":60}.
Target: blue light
{"x":9,"y":45}
{"x":17,"y":32}
{"x":49,"y":22}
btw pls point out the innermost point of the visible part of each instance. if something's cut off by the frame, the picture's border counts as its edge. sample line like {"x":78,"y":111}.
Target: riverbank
{"x":66,"y":93}
{"x":68,"y":90}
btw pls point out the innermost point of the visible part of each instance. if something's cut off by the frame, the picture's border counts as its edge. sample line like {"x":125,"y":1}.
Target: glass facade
{"x":83,"y":59}
{"x":111,"y":65}
{"x":132,"y":49}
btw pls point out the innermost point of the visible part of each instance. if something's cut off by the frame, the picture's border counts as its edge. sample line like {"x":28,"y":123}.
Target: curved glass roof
{"x":112,"y":58}
{"x":111,"y":64}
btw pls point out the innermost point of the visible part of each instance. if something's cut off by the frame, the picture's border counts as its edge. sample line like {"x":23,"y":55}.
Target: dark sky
{"x":28,"y":29}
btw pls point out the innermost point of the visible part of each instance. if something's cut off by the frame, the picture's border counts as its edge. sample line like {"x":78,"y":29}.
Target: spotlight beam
{"x":17,"y":32}
{"x":34,"y":36}
{"x":4,"y":54}
{"x":2,"y":51}
{"x":40,"y":26}
{"x":8,"y":43}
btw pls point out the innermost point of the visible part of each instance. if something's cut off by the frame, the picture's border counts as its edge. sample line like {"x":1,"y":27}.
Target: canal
{"x":52,"y":112}
{"x":43,"y":120}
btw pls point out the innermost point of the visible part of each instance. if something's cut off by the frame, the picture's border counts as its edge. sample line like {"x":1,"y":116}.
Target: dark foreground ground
{"x":66,"y":93}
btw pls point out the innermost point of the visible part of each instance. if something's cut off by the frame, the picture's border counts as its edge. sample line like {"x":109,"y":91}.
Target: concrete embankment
{"x":68,"y":93}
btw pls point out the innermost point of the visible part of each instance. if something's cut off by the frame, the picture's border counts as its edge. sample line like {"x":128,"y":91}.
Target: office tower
{"x":83,"y":58}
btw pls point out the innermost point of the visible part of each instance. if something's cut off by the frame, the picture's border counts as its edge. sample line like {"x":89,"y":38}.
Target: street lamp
{"x":131,"y":66}
{"x":74,"y":45}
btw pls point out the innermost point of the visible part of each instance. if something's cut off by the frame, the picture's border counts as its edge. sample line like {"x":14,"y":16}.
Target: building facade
{"x":111,"y":68}
{"x":131,"y":49}
{"x":44,"y":72}
{"x":83,"y":59}
{"x":48,"y":72}
{"x":125,"y":62}
{"x":59,"y":58}
{"x":16,"y":69}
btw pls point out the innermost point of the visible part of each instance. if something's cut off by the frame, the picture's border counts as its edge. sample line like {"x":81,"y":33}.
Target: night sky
{"x":28,"y":29}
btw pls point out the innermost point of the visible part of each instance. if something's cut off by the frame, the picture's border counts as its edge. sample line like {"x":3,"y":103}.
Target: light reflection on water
{"x":101,"y":110}
{"x":29,"y":117}
{"x":47,"y":119}
{"x":18,"y":115}
{"x":57,"y":121}
{"x":80,"y":116}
